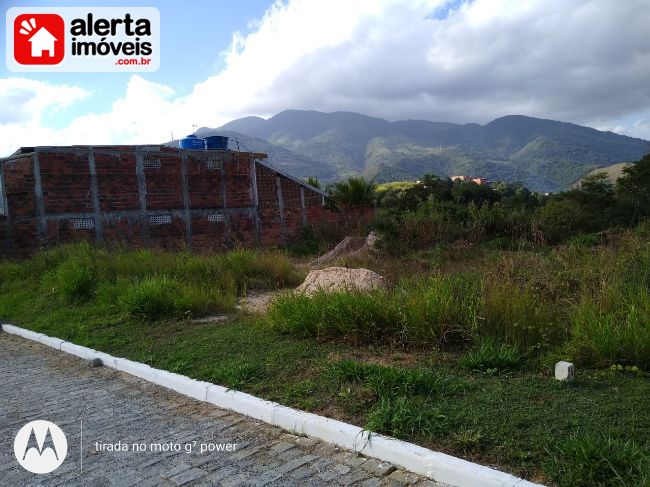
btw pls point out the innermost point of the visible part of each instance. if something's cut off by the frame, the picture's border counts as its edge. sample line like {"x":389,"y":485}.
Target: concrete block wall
{"x":149,"y":196}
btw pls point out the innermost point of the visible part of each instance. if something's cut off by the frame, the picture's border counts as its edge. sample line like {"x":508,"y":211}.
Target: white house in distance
{"x":42,"y":41}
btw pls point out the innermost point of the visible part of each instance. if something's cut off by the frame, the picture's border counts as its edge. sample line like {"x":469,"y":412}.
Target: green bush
{"x":584,"y":241}
{"x":588,"y":461}
{"x":153,"y":298}
{"x":74,"y":281}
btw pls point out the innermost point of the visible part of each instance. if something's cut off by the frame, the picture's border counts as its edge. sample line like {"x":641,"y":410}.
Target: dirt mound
{"x":344,"y":247}
{"x":349,"y":246}
{"x":334,"y":279}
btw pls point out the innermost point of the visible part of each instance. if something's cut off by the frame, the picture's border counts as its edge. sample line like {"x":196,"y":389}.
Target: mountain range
{"x":545,"y":155}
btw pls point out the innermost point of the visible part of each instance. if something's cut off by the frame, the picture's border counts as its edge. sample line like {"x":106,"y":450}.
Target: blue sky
{"x":580,"y":61}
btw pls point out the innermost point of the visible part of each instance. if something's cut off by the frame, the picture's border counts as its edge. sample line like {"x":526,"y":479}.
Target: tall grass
{"x":608,"y":331}
{"x":586,"y":461}
{"x":150,"y":284}
{"x":437,"y":310}
{"x":591,"y":300}
{"x":356,"y":316}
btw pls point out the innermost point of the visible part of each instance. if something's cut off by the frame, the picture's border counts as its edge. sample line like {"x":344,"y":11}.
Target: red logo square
{"x":39,"y":39}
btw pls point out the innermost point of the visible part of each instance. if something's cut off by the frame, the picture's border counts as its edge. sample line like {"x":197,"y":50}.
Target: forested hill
{"x":544,"y":154}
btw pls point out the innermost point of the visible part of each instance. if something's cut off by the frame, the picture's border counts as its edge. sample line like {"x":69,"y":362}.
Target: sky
{"x":580,"y":61}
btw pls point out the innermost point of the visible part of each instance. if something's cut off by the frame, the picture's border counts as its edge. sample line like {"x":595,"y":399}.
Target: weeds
{"x":586,"y":461}
{"x":391,"y":382}
{"x":405,"y":417}
{"x":491,"y":356}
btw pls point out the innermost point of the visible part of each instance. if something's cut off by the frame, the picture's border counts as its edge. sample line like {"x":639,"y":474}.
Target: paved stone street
{"x":37,"y":382}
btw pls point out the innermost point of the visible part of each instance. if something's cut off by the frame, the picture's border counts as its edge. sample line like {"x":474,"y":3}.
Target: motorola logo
{"x":40,"y":447}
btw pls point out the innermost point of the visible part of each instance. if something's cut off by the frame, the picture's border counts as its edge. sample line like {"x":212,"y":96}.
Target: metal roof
{"x":289,"y":176}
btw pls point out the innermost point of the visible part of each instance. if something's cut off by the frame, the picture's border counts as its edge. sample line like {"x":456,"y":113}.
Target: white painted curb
{"x":437,"y":466}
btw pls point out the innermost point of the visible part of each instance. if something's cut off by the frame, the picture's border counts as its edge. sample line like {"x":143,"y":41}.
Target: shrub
{"x":74,"y":281}
{"x":154,"y":298}
{"x":439,"y":310}
{"x":354,"y":191}
{"x":588,"y":461}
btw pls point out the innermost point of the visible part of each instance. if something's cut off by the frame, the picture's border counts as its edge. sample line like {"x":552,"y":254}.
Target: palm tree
{"x":354,"y":191}
{"x":313,"y":181}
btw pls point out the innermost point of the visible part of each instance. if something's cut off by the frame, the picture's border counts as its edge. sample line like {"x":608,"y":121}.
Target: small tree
{"x":633,"y":188}
{"x":313,"y":181}
{"x":354,"y":191}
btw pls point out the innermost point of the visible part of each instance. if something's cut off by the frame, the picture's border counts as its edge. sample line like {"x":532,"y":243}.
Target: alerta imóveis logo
{"x":83,"y":39}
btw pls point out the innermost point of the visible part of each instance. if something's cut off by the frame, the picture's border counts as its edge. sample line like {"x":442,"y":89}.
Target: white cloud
{"x":574,"y":60}
{"x":25,"y":100}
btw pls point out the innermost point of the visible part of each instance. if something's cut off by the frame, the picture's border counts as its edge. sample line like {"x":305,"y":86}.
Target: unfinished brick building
{"x":149,"y":196}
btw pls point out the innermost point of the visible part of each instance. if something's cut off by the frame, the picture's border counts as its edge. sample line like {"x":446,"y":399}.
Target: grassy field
{"x":457,"y":357}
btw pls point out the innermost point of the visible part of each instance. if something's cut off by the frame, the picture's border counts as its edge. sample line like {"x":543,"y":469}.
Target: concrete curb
{"x":437,"y":466}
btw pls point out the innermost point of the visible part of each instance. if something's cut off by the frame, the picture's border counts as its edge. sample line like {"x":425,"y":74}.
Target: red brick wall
{"x":238,"y":181}
{"x":204,"y":183}
{"x":117,"y":181}
{"x":67,"y":189}
{"x":19,"y":187}
{"x":164,"y":185}
{"x":65,"y":180}
{"x":269,"y":212}
{"x":293,"y":214}
{"x":21,"y":237}
{"x":119,"y":231}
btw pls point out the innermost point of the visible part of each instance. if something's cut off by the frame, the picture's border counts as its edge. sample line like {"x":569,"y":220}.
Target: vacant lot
{"x":458,"y":356}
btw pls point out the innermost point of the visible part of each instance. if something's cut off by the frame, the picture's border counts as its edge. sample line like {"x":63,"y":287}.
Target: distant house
{"x":42,"y":41}
{"x":479,"y":181}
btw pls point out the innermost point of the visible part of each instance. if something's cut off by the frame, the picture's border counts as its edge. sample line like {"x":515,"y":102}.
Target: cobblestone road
{"x":37,"y":382}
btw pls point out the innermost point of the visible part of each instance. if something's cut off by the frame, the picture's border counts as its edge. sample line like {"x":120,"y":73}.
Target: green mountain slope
{"x":546,"y":155}
{"x":284,"y":159}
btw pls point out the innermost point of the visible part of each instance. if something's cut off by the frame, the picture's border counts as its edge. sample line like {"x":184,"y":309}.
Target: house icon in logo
{"x":42,"y":41}
{"x":39,"y":39}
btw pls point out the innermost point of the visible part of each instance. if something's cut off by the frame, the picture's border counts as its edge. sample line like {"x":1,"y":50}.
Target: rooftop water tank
{"x":216,"y":142}
{"x":192,"y":142}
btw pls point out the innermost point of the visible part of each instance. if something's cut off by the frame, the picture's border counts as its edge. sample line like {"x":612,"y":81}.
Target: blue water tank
{"x":192,"y":142}
{"x":216,"y":142}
